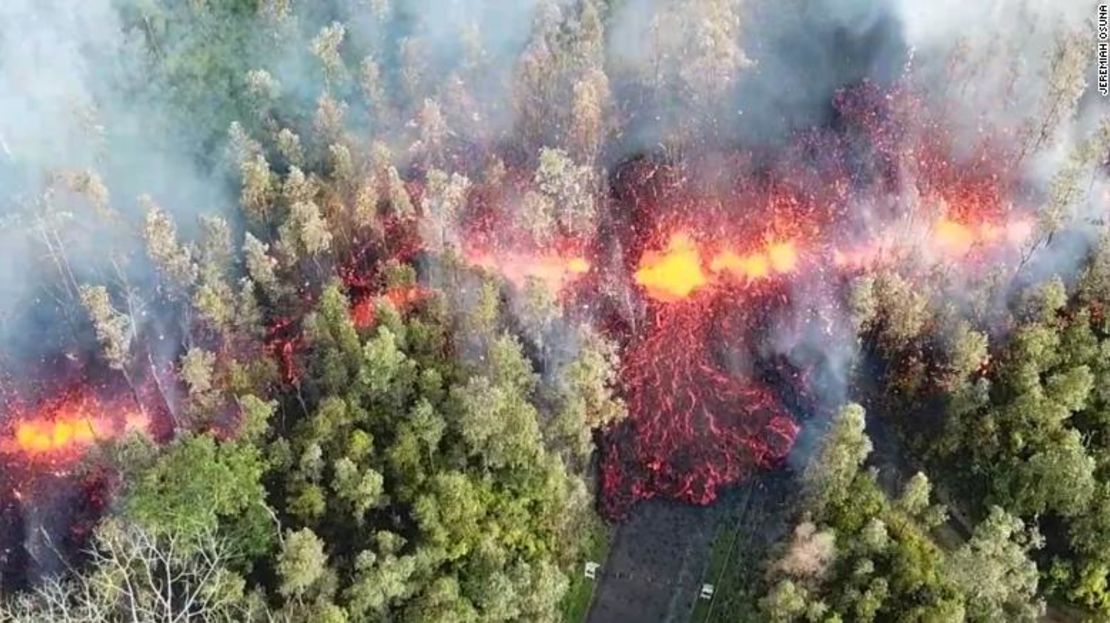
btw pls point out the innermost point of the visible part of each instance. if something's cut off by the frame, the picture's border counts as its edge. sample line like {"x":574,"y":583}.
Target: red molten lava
{"x":694,"y":425}
{"x":63,"y":429}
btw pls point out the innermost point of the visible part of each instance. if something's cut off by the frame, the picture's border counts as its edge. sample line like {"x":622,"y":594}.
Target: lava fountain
{"x":63,"y":428}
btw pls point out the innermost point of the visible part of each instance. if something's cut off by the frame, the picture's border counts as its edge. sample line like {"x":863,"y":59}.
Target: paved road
{"x":659,"y":557}
{"x":655,"y":565}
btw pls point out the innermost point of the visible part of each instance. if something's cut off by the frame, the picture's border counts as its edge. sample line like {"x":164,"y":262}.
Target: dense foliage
{"x":1026,"y":430}
{"x":859,"y":555}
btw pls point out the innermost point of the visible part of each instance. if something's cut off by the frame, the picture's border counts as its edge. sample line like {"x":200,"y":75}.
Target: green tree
{"x":786,"y":602}
{"x":571,"y":188}
{"x":838,"y":459}
{"x":198,"y":486}
{"x":302,"y":563}
{"x":995,"y":571}
{"x":172,"y":259}
{"x":114,"y":329}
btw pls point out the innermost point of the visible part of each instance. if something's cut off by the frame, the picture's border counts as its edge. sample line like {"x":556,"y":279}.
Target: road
{"x":655,"y":565}
{"x":660,"y":556}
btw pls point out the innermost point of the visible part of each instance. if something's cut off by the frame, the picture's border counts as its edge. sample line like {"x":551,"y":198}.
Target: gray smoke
{"x":76,"y":95}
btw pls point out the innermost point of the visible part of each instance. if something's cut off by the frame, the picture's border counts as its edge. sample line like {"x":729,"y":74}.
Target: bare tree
{"x":137,"y":577}
{"x":1068,"y":187}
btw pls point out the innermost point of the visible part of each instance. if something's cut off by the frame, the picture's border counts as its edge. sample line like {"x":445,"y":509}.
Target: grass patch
{"x":580,"y":593}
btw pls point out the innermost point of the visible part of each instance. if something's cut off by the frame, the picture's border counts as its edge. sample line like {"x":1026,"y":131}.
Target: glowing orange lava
{"x":944,"y":241}
{"x":784,"y":257}
{"x":958,"y":239}
{"x":677,"y":272}
{"x":66,"y":428}
{"x":674,"y":273}
{"x":683,"y":267}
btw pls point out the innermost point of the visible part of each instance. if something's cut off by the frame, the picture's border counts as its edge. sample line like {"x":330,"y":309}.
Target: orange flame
{"x":68,"y":428}
{"x":752,"y":267}
{"x":673,"y":274}
{"x":784,"y":257}
{"x":677,"y":272}
{"x":953,"y":238}
{"x":957,"y":239}
{"x":946,"y":240}
{"x":780,"y":257}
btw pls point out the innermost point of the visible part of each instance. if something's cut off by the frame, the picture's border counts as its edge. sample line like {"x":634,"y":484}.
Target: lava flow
{"x":699,"y":419}
{"x":738,"y":278}
{"x":692,"y":272}
{"x":364,"y":312}
{"x":694,"y":425}
{"x":672,"y":274}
